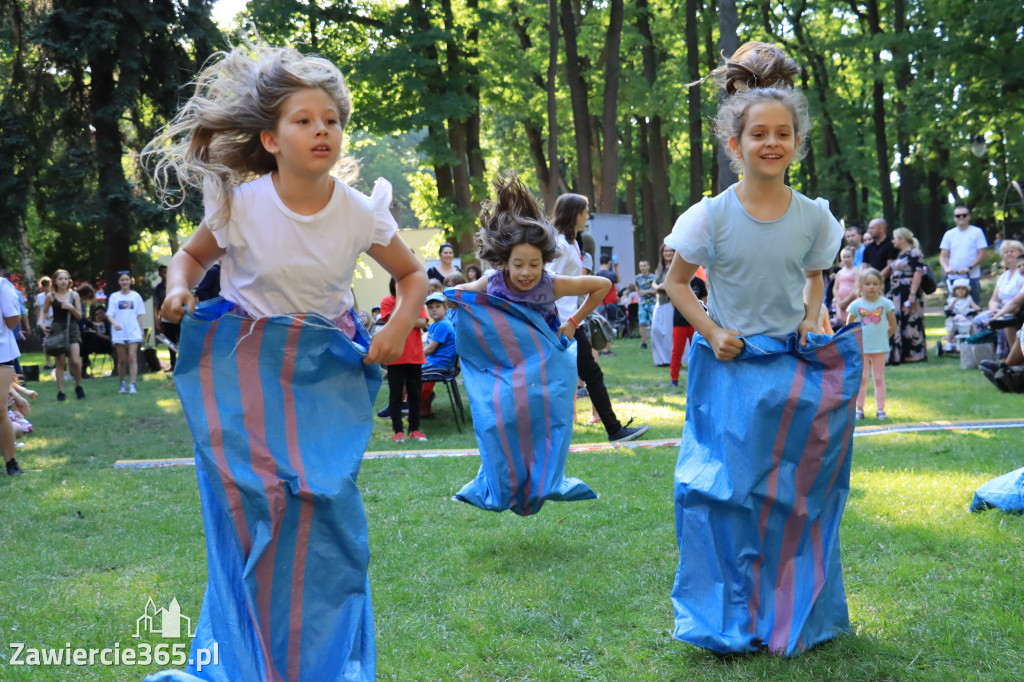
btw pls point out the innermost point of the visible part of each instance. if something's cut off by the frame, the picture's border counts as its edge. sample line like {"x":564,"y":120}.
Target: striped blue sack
{"x":521,"y":380}
{"x":760,"y":485}
{"x":280,"y":409}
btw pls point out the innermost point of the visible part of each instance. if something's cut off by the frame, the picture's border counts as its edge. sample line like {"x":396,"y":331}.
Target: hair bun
{"x":757,"y":65}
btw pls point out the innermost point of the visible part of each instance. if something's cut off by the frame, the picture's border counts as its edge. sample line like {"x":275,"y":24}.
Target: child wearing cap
{"x":439,"y":349}
{"x":959,"y":306}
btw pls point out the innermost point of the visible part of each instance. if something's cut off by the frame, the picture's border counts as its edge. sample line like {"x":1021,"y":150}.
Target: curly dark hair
{"x":513,"y":218}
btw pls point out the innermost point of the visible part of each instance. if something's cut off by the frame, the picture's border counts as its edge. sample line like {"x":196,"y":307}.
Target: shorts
{"x":645,"y":313}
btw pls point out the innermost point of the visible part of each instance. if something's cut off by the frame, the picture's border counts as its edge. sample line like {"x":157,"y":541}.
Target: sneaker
{"x":582,"y":392}
{"x":385,"y":413}
{"x":47,"y":367}
{"x":12,"y":467}
{"x":593,"y":421}
{"x":881,"y":414}
{"x":859,"y":415}
{"x":674,"y":382}
{"x":627,"y":433}
{"x":132,"y":389}
{"x":61,"y":397}
{"x":398,"y":438}
{"x":608,"y":354}
{"x":992,"y":365}
{"x":643,"y":346}
{"x":124,"y":388}
{"x":79,"y":392}
{"x":418,"y":435}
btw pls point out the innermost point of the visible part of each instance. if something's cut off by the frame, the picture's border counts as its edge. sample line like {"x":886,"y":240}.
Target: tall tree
{"x":610,"y":113}
{"x":578,"y":93}
{"x":693,"y":99}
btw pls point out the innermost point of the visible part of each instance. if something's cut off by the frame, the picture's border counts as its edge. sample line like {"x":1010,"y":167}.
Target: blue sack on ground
{"x":760,"y":486}
{"x":281,"y":412}
{"x":1005,"y":493}
{"x":521,"y":379}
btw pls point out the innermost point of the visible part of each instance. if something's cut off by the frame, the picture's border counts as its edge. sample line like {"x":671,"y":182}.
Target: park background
{"x":915,"y":105}
{"x":447,"y":94}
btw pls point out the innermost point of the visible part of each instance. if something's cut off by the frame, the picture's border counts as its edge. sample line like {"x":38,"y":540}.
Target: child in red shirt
{"x":405,"y":373}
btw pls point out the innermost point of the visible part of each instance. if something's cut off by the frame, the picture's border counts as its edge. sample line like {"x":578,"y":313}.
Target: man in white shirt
{"x":962,"y":250}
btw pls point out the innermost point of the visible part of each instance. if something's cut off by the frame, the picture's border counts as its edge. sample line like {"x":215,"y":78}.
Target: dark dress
{"x":909,"y":343}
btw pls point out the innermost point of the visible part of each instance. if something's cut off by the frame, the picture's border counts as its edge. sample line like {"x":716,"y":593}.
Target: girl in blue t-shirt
{"x":877,"y":318}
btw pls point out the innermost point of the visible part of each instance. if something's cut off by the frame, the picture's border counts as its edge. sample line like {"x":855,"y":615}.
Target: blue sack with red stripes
{"x":760,"y":486}
{"x":280,"y":409}
{"x":521,"y":380}
{"x":1005,"y":493}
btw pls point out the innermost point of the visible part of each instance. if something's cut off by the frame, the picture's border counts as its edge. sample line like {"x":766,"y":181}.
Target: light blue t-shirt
{"x":756,"y":268}
{"x":874,"y":322}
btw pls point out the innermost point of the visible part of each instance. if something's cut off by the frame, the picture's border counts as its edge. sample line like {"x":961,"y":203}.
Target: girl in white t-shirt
{"x":260,"y":137}
{"x":877,"y":317}
{"x":125,"y":309}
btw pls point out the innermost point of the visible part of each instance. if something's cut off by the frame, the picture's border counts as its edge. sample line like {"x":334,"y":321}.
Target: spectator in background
{"x":879,"y":252}
{"x":610,"y":303}
{"x":169,"y":331}
{"x":682,"y":330}
{"x":1009,"y":284}
{"x":125,"y":309}
{"x":96,"y":338}
{"x":855,"y":239}
{"x":10,"y":310}
{"x":908,"y":343}
{"x":962,"y":250}
{"x":648,"y":300}
{"x":439,"y":351}
{"x":67,"y":310}
{"x":473,"y":272}
{"x":661,"y":323}
{"x":44,"y":322}
{"x":445,"y":268}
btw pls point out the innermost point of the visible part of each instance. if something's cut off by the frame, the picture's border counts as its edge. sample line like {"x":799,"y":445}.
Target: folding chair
{"x":448,"y":377}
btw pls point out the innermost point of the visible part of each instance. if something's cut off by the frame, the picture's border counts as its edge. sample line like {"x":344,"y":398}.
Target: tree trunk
{"x":652,"y":147}
{"x":553,"y":181}
{"x":693,"y":97}
{"x":580,"y":107}
{"x":728,"y":21}
{"x":610,"y":154}
{"x":878,"y":105}
{"x":649,"y":227}
{"x":474,"y":153}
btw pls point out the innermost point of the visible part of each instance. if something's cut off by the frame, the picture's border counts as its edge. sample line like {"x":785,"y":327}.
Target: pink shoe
{"x":398,"y":437}
{"x":418,"y":435}
{"x":593,"y":421}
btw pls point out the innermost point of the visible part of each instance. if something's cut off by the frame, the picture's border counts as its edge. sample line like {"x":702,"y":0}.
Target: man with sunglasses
{"x":962,"y":250}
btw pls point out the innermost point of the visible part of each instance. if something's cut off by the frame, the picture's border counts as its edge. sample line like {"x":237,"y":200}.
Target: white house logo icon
{"x":163,"y":622}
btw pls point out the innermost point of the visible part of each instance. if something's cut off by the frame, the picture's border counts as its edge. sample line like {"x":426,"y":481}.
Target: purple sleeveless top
{"x":540,"y":299}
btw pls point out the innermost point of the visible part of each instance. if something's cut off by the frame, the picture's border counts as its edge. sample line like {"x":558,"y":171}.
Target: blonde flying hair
{"x":756,"y":73}
{"x":214,"y":139}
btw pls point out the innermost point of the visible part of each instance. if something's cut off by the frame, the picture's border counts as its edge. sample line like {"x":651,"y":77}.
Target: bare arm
{"x":814,"y":294}
{"x":890,"y":318}
{"x":478,"y":285}
{"x":724,"y":342}
{"x":944,"y":260}
{"x":594,"y":288}
{"x":411,"y":287}
{"x":186,"y":270}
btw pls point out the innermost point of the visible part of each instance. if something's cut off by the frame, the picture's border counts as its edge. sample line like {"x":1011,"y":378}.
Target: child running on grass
{"x":877,"y":318}
{"x":277,"y":378}
{"x":756,"y":554}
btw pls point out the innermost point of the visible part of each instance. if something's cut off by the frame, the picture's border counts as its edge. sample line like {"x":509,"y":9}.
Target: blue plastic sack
{"x":1005,"y":493}
{"x":521,"y":380}
{"x":760,"y":485}
{"x":281,"y":412}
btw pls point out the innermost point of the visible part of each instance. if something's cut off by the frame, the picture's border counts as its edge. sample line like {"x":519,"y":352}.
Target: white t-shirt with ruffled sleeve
{"x":278,"y":262}
{"x":755,"y":267}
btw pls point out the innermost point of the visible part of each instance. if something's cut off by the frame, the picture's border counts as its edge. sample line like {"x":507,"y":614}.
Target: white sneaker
{"x":123,"y":389}
{"x":131,"y":389}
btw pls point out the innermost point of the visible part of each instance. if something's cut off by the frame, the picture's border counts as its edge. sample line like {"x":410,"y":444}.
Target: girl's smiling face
{"x":768,"y":141}
{"x":847,"y":258}
{"x":524,"y":267}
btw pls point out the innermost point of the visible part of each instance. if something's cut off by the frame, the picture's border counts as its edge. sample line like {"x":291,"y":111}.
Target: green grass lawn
{"x":578,"y":592}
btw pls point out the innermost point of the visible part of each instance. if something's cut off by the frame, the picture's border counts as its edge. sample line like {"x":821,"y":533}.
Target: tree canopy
{"x":915,"y":105}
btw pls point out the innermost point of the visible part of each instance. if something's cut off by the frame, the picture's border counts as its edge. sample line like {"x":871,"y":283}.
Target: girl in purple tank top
{"x":517,"y":240}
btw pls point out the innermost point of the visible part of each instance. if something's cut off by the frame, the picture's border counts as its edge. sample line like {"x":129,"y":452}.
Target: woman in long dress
{"x":661,"y":324}
{"x":909,"y":343}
